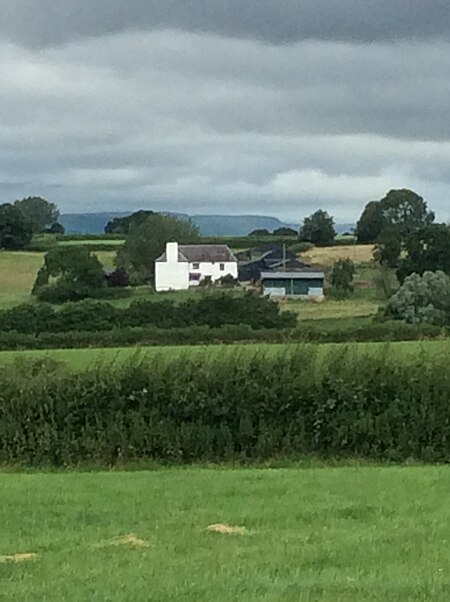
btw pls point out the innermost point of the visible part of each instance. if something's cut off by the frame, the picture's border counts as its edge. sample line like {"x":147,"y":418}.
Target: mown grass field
{"x":89,"y":358}
{"x":335,"y":534}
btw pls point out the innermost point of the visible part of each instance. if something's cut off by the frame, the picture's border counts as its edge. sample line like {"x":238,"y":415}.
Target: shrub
{"x":422,"y":299}
{"x":118,"y":278}
{"x":214,"y":310}
{"x":228,"y":407}
{"x":342,"y":276}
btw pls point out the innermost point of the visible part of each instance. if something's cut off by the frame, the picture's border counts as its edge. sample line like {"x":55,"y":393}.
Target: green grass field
{"x":18,"y":272}
{"x":82,"y":359}
{"x":342,"y":534}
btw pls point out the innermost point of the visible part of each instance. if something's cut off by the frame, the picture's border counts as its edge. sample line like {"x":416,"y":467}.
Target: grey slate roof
{"x":203,"y":253}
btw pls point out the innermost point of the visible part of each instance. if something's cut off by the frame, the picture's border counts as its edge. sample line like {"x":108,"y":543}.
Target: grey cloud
{"x":46,"y":22}
{"x":201,"y":123}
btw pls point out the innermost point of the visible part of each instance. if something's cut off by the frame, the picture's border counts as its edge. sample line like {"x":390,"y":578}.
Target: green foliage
{"x":422,"y":299}
{"x":342,"y":276}
{"x":41,"y":213}
{"x":318,"y":229}
{"x":228,"y":407}
{"x":370,"y":224}
{"x":146,"y":242}
{"x":15,"y":230}
{"x":124,"y":225}
{"x":426,"y":249}
{"x":388,"y":248}
{"x":284,"y":231}
{"x":260,"y":232}
{"x":300,"y":247}
{"x":212,"y":310}
{"x":390,"y":221}
{"x":69,"y":274}
{"x":56,"y":228}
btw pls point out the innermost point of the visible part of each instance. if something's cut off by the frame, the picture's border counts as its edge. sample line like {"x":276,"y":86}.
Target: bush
{"x":300,"y":247}
{"x":342,"y":276}
{"x":422,"y":300}
{"x":214,"y":310}
{"x":230,"y":407}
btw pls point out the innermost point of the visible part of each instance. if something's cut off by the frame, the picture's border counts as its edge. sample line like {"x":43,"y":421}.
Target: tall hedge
{"x":198,"y":408}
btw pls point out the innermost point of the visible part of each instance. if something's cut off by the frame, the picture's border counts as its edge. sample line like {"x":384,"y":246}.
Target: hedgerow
{"x":226,"y":408}
{"x":214,"y":310}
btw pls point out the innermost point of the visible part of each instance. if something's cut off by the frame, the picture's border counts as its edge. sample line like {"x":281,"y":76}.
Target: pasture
{"x":322,"y":534}
{"x":90,"y":358}
{"x":18,"y":272}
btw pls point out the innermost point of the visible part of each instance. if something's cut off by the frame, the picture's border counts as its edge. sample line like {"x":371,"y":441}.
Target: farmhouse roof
{"x":203,"y":253}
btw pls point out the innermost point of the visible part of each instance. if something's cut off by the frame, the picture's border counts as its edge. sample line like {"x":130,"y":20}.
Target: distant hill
{"x":209,"y":225}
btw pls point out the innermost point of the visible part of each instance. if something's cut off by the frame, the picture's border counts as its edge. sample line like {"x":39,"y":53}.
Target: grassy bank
{"x":329,"y":534}
{"x":82,"y":359}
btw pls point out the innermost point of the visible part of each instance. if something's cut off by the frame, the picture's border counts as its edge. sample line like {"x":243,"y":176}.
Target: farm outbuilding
{"x":306,"y":283}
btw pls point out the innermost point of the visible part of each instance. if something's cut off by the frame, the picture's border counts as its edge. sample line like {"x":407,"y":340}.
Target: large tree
{"x":15,"y":230}
{"x":41,"y":213}
{"x":146,"y":242}
{"x":69,"y":274}
{"x":426,"y":250}
{"x":402,"y":210}
{"x":370,"y":224}
{"x":318,"y":228}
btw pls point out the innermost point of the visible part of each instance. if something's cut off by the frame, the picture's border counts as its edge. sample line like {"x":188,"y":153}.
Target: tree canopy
{"x":69,"y":274}
{"x":123,"y":225}
{"x":318,"y":228}
{"x":260,"y":232}
{"x":15,"y":230}
{"x":285,"y":231}
{"x":146,"y":242}
{"x":41,"y":213}
{"x":400,"y":210}
{"x":426,"y":249}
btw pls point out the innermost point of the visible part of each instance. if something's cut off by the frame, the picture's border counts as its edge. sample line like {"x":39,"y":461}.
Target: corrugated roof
{"x":300,"y":275}
{"x":203,"y":253}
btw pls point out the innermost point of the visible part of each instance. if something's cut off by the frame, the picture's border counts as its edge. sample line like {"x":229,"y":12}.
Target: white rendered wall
{"x":171,"y":276}
{"x":213,"y":270}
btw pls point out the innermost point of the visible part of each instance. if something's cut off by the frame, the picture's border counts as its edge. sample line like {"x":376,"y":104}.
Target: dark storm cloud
{"x":47,"y":22}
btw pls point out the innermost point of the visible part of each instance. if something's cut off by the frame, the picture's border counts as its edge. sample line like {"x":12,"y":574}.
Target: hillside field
{"x":18,"y":272}
{"x":322,"y":534}
{"x":82,"y":359}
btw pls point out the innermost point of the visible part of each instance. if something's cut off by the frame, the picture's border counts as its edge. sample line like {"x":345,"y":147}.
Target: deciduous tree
{"x":318,"y":228}
{"x":146,"y":242}
{"x":15,"y":230}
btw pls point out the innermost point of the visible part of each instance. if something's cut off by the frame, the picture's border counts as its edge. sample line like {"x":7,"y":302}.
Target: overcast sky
{"x":275,"y":107}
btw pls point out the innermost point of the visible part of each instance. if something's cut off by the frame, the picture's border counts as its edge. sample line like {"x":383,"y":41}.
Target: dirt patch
{"x":226,"y":529}
{"x":132,"y":541}
{"x":16,"y":558}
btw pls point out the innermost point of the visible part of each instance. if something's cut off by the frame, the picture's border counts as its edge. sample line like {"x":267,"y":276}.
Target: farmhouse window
{"x":195,"y":266}
{"x":222,"y":267}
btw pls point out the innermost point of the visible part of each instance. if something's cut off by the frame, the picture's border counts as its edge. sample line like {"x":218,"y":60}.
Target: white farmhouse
{"x":182,"y":266}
